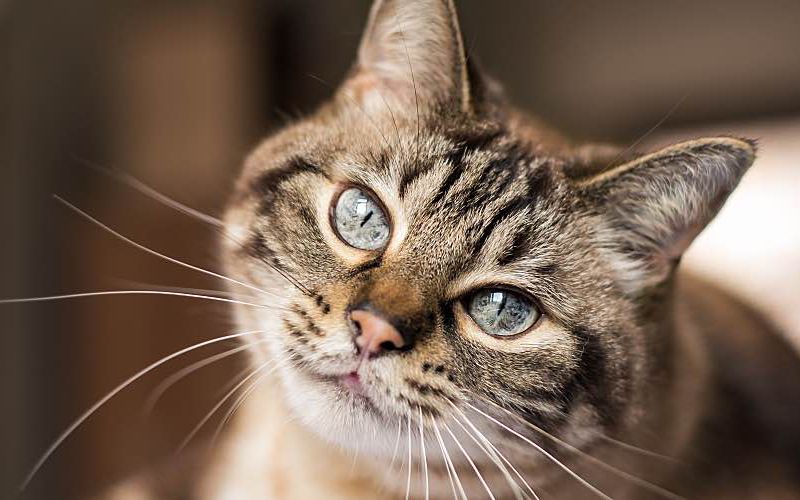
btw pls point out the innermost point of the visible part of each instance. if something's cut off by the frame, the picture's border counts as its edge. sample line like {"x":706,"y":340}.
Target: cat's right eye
{"x":359,"y":220}
{"x":502,"y":313}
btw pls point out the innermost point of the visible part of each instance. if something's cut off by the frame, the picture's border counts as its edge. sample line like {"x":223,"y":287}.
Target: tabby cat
{"x":461,"y":303}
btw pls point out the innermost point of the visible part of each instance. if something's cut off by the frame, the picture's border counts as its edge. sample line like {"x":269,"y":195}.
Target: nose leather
{"x":375,"y":334}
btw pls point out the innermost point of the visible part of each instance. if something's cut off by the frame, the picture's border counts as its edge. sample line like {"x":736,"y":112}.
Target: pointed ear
{"x":411,"y":54}
{"x":651,"y":208}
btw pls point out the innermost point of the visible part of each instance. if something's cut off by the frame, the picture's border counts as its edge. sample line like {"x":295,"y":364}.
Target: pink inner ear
{"x":375,"y":94}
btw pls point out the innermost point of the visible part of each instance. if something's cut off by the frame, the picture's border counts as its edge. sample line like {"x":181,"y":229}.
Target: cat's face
{"x":507,"y":274}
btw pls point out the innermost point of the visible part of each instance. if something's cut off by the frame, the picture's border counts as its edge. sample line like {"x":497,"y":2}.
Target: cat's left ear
{"x":650,"y":209}
{"x":411,"y":55}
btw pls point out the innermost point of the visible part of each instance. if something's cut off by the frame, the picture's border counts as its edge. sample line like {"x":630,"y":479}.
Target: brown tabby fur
{"x":682,"y":390}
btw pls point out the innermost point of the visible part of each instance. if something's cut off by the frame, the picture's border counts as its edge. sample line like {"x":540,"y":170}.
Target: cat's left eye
{"x":501,"y":312}
{"x":359,"y":220}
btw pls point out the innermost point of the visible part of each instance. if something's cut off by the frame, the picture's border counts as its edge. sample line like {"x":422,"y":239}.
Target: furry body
{"x":671,"y":388}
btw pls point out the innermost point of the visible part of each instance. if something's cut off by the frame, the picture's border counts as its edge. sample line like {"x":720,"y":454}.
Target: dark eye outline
{"x":535,"y":304}
{"x":375,"y":198}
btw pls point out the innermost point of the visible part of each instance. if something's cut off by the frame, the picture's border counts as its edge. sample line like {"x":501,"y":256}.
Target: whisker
{"x":652,"y":129}
{"x":216,"y":223}
{"x":543,"y":452}
{"x":408,"y":480}
{"x":151,"y":192}
{"x":186,"y":289}
{"x":396,"y":443}
{"x":168,"y":382}
{"x":619,"y":472}
{"x":96,"y":406}
{"x":222,"y":401}
{"x":149,"y":250}
{"x":492,"y":456}
{"x":469,"y":459}
{"x":422,"y":449}
{"x":394,"y":122}
{"x":413,"y":84}
{"x":357,"y":105}
{"x":235,"y":407}
{"x":637,"y":449}
{"x":51,"y":298}
{"x":446,"y":456}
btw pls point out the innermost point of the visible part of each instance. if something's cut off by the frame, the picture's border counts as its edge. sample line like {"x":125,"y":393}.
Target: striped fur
{"x":478,"y":195}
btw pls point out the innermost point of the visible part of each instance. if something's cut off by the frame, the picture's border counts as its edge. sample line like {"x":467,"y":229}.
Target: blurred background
{"x":176,"y":93}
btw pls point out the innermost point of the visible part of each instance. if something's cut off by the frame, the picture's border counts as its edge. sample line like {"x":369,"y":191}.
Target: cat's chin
{"x":343,"y":410}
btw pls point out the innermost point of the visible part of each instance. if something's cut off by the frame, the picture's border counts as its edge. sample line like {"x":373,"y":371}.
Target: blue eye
{"x":501,"y":312}
{"x":360,"y":221}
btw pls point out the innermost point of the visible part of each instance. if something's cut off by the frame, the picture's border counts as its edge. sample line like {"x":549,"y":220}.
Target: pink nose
{"x":375,"y":334}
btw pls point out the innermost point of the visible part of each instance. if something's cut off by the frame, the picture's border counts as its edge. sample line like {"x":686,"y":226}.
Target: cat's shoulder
{"x":755,"y":371}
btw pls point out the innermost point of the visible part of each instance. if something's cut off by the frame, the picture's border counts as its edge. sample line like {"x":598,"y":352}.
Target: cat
{"x":436,"y":264}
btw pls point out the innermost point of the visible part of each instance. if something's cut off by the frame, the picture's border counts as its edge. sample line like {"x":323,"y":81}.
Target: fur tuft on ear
{"x":650,"y":209}
{"x":411,"y":54}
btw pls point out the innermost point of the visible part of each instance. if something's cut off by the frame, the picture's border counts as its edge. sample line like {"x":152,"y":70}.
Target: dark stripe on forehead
{"x":514,"y":208}
{"x":452,"y":178}
{"x":267,"y":185}
{"x":518,"y":247}
{"x":465,"y":144}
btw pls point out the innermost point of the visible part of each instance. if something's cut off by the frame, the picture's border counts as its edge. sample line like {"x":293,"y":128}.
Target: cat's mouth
{"x":352,"y":382}
{"x":349,"y":384}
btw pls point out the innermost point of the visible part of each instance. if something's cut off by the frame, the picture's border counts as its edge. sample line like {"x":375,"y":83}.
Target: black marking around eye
{"x":268,"y":184}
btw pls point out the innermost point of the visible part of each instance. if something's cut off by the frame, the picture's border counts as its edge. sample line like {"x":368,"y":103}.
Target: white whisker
{"x":185,"y":289}
{"x":151,"y":192}
{"x":50,"y":298}
{"x":222,"y":401}
{"x":621,"y":473}
{"x":88,"y":413}
{"x":451,"y":472}
{"x":469,"y":459}
{"x":186,"y":371}
{"x":422,"y":449}
{"x":408,"y":480}
{"x":492,"y":450}
{"x":543,"y":452}
{"x":149,"y":250}
{"x":235,"y":407}
{"x":489,"y":451}
{"x":396,"y":443}
{"x":636,"y":449}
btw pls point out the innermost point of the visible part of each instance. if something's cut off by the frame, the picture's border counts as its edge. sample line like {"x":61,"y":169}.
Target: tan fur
{"x":665,"y":383}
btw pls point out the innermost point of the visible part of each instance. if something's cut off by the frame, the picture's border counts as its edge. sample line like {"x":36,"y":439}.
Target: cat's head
{"x":430,"y":252}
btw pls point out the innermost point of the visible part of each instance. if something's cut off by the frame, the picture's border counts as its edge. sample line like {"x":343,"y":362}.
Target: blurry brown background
{"x":176,"y":92}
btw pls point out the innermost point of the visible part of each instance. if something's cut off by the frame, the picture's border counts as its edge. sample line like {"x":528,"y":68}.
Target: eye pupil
{"x":360,"y":221}
{"x":502,"y":312}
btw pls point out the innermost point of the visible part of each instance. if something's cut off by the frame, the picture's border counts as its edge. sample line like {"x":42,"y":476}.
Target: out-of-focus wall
{"x":177,"y":92}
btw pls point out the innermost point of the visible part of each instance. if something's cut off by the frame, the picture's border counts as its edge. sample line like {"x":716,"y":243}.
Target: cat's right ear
{"x":411,"y":57}
{"x":651,"y":208}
